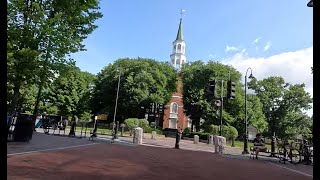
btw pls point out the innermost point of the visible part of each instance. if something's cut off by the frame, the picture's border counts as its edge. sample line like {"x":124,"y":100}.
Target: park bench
{"x":268,"y":151}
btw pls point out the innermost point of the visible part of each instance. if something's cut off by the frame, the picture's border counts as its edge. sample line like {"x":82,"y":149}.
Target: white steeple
{"x":178,"y":56}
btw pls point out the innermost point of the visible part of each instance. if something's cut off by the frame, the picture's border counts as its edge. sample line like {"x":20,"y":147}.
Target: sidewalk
{"x":165,"y":142}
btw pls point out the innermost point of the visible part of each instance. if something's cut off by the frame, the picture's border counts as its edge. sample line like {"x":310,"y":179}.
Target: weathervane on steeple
{"x":182,"y":12}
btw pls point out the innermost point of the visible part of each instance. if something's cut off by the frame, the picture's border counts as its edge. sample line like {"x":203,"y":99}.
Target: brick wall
{"x":182,"y":118}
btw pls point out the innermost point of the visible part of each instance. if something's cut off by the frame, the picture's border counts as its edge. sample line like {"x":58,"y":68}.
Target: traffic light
{"x":231,"y":90}
{"x":210,"y":93}
{"x":160,"y":108}
{"x":152,"y":108}
{"x":212,"y":86}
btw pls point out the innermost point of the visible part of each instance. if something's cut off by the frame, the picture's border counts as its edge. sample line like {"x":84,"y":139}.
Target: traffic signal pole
{"x":221,"y":107}
{"x":230,"y":95}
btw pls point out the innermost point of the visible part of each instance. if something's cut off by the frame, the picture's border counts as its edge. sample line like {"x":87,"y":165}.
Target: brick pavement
{"x":109,"y":161}
{"x":41,"y":141}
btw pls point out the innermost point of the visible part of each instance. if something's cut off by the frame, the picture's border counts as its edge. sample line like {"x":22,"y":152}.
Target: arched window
{"x":182,"y":48}
{"x":175,"y":47}
{"x":174,"y":108}
{"x":182,"y":62}
{"x":179,"y":47}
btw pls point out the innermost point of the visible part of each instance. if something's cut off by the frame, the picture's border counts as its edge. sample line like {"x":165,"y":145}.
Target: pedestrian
{"x":73,"y":126}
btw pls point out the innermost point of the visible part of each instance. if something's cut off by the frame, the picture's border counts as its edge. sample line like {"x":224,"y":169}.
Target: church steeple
{"x":180,"y":35}
{"x":178,"y":57}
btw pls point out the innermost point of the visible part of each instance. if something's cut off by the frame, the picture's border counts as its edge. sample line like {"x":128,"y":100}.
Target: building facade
{"x":174,"y":116}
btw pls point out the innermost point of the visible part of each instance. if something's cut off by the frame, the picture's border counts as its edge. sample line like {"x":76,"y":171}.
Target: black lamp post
{"x":245,"y":148}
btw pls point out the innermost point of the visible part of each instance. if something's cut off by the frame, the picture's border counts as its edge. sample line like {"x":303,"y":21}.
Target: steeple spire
{"x":179,"y":35}
{"x":178,"y":56}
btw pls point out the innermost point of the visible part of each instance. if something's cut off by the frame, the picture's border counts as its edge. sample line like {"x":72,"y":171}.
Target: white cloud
{"x":231,"y":48}
{"x":267,"y":46}
{"x":256,"y":40}
{"x":294,"y":67}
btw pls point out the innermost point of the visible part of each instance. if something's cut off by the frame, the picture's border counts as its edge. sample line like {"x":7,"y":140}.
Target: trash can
{"x":23,"y":128}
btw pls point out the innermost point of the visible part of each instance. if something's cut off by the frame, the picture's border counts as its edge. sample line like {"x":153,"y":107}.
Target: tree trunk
{"x":192,"y":126}
{"x":198,"y":125}
{"x":36,"y":106}
{"x":15,"y":98}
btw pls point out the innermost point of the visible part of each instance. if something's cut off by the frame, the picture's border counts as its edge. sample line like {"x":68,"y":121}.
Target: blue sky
{"x":147,"y":28}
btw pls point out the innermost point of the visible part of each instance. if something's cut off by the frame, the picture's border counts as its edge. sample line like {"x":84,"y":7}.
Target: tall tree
{"x":281,"y":101}
{"x":70,"y":92}
{"x":41,"y":35}
{"x":196,"y":77}
{"x":142,"y":81}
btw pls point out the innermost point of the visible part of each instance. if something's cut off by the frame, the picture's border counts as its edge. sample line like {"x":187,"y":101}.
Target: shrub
{"x":147,"y":129}
{"x":202,"y":135}
{"x":143,"y":123}
{"x":212,"y":129}
{"x":233,"y":132}
{"x":226,"y":132}
{"x":187,"y":130}
{"x":131,"y":123}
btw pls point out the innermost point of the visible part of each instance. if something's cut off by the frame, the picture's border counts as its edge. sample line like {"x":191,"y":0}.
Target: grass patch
{"x":99,"y":130}
{"x":241,"y":144}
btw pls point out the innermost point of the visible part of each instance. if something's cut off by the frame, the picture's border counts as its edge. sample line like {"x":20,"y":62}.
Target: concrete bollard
{"x":137,"y":135}
{"x":196,"y":139}
{"x":211,"y":140}
{"x":219,"y":144}
{"x":153,"y":135}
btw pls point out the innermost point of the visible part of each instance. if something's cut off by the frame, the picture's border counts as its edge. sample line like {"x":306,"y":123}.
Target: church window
{"x":179,"y":47}
{"x":174,"y":108}
{"x":175,"y":47}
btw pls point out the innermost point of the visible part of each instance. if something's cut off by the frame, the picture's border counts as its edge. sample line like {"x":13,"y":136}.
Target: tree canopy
{"x":196,"y":77}
{"x":41,"y":36}
{"x":142,"y":81}
{"x":283,"y":105}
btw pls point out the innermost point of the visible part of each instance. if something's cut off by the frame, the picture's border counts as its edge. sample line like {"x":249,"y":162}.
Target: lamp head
{"x":310,"y":4}
{"x":251,"y":76}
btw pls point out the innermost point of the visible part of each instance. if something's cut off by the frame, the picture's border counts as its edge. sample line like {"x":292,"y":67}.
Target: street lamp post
{"x":115,"y":109}
{"x":245,"y":148}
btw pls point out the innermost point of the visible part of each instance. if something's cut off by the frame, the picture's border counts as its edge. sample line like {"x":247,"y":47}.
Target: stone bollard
{"x":219,"y":144}
{"x":137,"y":135}
{"x":153,"y":135}
{"x":196,"y":139}
{"x":211,"y":140}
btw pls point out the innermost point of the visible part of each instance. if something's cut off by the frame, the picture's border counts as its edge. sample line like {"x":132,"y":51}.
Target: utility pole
{"x":115,"y":109}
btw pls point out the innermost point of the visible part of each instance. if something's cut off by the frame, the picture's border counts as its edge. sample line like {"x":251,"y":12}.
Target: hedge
{"x":203,"y":136}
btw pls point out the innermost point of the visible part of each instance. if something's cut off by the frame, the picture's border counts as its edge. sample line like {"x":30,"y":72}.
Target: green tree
{"x":131,"y":123}
{"x":233,"y":132}
{"x":282,"y":101}
{"x":195,"y":78}
{"x":70,"y":92}
{"x":41,"y":36}
{"x":142,"y":81}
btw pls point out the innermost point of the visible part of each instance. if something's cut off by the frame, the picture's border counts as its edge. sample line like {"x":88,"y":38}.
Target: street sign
{"x":102,"y":117}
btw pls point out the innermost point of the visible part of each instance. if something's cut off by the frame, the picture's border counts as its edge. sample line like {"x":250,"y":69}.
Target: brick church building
{"x":174,"y":116}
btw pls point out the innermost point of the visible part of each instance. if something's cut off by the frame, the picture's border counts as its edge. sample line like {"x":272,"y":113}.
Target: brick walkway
{"x":41,"y":142}
{"x":117,"y":162}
